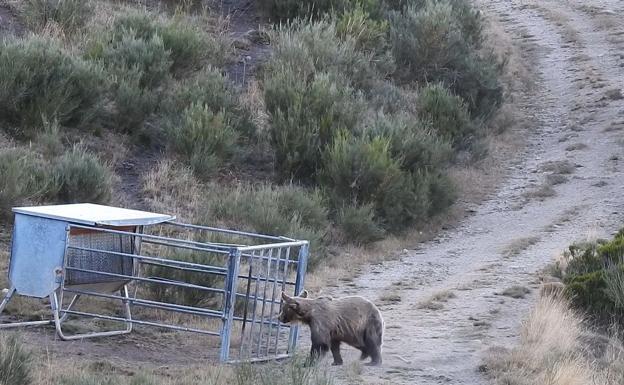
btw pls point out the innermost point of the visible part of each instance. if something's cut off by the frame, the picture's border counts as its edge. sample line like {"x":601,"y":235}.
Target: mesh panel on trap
{"x":98,"y":261}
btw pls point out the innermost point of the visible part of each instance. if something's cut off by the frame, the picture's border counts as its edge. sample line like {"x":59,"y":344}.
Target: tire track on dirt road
{"x":515,"y":233}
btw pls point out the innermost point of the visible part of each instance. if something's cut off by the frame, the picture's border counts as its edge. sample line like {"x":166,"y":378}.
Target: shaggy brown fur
{"x":353,"y":320}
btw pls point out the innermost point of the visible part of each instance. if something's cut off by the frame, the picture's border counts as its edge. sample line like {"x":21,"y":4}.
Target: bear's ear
{"x":304,"y":294}
{"x":286,"y":298}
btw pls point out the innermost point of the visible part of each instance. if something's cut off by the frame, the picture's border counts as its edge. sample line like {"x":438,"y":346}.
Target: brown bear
{"x":353,"y":320}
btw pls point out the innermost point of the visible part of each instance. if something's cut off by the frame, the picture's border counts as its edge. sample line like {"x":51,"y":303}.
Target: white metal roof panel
{"x":92,"y":214}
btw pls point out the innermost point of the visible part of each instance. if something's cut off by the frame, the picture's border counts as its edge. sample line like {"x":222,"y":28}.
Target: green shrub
{"x":80,"y":177}
{"x":210,"y":88}
{"x":594,"y":278}
{"x":281,"y":10}
{"x":146,"y":57}
{"x":288,"y":210}
{"x":50,"y":140}
{"x":204,"y":139}
{"x":363,"y":171}
{"x":412,"y":142}
{"x":308,"y":204}
{"x":442,"y":193}
{"x":187,"y":44}
{"x":15,"y":362}
{"x":307,"y":49}
{"x":368,"y":34}
{"x":305,"y":117}
{"x":584,"y":259}
{"x":437,"y":43}
{"x":70,"y":15}
{"x":138,"y":68}
{"x":134,"y":104}
{"x":357,"y":224}
{"x":588,"y":292}
{"x":447,"y":114}
{"x":22,"y":179}
{"x":39,"y":81}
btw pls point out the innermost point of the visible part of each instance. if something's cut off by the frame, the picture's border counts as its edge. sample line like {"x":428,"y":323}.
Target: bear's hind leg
{"x":335,"y":349}
{"x":375,"y":354}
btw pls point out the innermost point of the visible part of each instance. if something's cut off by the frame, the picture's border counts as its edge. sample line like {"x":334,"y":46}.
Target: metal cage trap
{"x":218,"y":282}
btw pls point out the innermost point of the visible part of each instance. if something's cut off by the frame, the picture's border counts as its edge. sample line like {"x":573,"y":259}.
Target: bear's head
{"x":293,"y":308}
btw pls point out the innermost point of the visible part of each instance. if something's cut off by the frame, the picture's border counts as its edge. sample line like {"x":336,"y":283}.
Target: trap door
{"x":264,"y":274}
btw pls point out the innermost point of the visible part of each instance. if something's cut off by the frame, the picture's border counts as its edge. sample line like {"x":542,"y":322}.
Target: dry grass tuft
{"x":558,"y":167}
{"x":170,"y":187}
{"x":517,"y":246}
{"x":556,"y":349}
{"x":516,"y":291}
{"x":392,"y":297}
{"x":436,"y":301}
{"x":576,"y":147}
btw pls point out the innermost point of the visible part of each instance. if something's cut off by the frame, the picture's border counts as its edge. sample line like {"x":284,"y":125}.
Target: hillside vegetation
{"x":345,"y":133}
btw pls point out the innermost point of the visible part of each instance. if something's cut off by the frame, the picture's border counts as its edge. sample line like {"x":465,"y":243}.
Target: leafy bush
{"x":363,"y":171}
{"x":133,"y":103}
{"x":594,"y":278}
{"x":186,"y":43}
{"x":447,"y":114}
{"x":277,"y":210}
{"x":39,"y":80}
{"x":307,"y":49}
{"x":204,"y":139}
{"x":305,"y":118}
{"x":412,"y":142}
{"x":21,"y":179}
{"x":368,"y":34}
{"x":138,"y":67}
{"x":210,"y":88}
{"x":15,"y":362}
{"x":357,"y":224}
{"x":439,"y":42}
{"x":80,"y":177}
{"x":281,"y":10}
{"x":70,"y":15}
{"x":442,"y":193}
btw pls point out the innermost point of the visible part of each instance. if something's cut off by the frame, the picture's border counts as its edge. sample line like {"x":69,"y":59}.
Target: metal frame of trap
{"x":102,"y":252}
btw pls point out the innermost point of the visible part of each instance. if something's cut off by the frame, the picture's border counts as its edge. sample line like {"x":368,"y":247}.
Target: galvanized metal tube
{"x":226,"y":231}
{"x":264,"y":294}
{"x":170,"y":241}
{"x":152,"y":280}
{"x":285,"y":274}
{"x":186,"y":247}
{"x":222,"y":252}
{"x":148,"y":303}
{"x":274,"y":245}
{"x":169,"y":262}
{"x":216,"y":271}
{"x":300,"y":280}
{"x":277,"y":261}
{"x":256,"y":298}
{"x":139,"y":322}
{"x":245,"y":311}
{"x":229,"y":301}
{"x":253,"y":314}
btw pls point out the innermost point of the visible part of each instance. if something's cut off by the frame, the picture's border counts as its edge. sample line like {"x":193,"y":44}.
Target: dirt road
{"x":577,"y":115}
